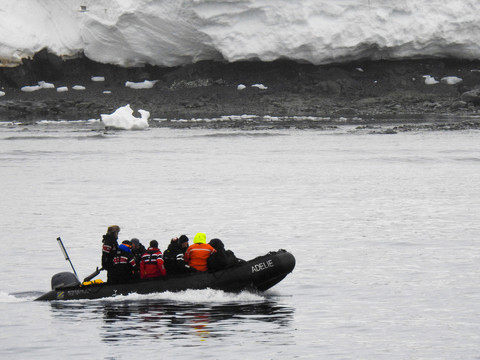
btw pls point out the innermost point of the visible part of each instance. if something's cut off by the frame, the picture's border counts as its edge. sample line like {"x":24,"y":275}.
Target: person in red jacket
{"x":151,"y":265}
{"x":197,"y":254}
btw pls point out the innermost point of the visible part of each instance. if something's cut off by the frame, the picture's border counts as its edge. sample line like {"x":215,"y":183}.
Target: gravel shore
{"x":288,"y":93}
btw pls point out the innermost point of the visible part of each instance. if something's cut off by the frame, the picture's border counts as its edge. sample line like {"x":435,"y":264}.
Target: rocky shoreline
{"x":289,"y":93}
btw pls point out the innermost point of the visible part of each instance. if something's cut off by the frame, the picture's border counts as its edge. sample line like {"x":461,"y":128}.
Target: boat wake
{"x":19,"y":296}
{"x":204,"y":296}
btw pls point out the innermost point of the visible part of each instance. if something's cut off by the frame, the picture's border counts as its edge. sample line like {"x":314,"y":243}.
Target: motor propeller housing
{"x":64,"y":279}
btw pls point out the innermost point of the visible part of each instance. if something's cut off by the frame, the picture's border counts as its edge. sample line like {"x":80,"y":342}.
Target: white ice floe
{"x":62,"y":89}
{"x":123,"y":119}
{"x":98,"y":78}
{"x":41,"y":85}
{"x":260,"y":86}
{"x":451,"y":80}
{"x":31,"y":88}
{"x":107,"y":92}
{"x":2,"y":93}
{"x":146,"y":84}
{"x":46,"y":85}
{"x":241,"y":87}
{"x":430,"y":80}
{"x":78,"y":87}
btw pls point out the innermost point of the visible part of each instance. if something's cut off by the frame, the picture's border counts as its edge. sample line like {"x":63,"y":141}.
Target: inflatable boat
{"x":258,"y":274}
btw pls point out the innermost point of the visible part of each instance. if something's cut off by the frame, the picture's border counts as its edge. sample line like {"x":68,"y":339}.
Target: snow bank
{"x":123,"y":119}
{"x":171,"y":33}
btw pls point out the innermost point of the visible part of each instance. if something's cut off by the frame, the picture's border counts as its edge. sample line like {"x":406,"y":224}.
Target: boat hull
{"x":258,"y":274}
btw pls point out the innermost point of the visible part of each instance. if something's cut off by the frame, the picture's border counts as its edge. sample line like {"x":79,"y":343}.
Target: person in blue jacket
{"x":124,"y":265}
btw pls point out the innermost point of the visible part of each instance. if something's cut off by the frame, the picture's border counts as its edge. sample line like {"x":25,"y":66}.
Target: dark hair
{"x":154,"y":243}
{"x":183,"y":239}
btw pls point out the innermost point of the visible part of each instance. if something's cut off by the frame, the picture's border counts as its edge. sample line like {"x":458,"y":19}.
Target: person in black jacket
{"x":123,"y":265}
{"x":137,"y":251}
{"x":221,"y":259}
{"x":109,"y":247}
{"x":173,"y":257}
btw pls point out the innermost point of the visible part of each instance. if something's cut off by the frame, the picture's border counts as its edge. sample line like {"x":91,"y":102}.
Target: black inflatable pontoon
{"x":258,"y":274}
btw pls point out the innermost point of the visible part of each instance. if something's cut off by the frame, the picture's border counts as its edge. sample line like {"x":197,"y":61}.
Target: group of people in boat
{"x":130,"y":260}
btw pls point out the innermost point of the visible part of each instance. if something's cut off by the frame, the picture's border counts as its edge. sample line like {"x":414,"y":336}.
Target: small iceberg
{"x":46,"y":85}
{"x":30,"y":88}
{"x":147,"y":84}
{"x":430,"y":80}
{"x":123,"y":119}
{"x":260,"y":86}
{"x":451,"y":80}
{"x":41,"y":85}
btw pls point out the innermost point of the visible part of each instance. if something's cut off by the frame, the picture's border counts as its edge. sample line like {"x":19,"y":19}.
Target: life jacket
{"x":197,"y":255}
{"x":151,"y":265}
{"x":174,"y":259}
{"x":123,"y":265}
{"x":109,"y":249}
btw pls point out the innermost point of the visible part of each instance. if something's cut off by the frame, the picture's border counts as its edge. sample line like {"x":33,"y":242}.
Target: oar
{"x":92,"y":275}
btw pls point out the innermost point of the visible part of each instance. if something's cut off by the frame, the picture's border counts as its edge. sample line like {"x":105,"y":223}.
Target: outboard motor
{"x":64,"y":279}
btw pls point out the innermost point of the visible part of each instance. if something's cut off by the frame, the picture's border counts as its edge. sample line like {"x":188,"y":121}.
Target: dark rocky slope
{"x":370,"y":89}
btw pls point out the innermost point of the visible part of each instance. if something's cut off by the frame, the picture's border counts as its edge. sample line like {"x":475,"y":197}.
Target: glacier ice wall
{"x":177,"y":32}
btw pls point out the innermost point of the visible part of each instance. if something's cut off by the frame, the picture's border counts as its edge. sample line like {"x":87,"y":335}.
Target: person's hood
{"x":125,"y":248}
{"x":217,"y":244}
{"x":200,"y":238}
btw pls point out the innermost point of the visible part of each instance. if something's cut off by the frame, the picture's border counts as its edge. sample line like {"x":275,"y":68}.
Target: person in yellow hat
{"x":197,"y":254}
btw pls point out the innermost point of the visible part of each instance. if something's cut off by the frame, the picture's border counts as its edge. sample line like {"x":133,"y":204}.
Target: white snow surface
{"x":178,"y":32}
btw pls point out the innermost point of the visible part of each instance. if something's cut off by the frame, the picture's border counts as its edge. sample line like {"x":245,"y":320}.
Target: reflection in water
{"x":159,"y":318}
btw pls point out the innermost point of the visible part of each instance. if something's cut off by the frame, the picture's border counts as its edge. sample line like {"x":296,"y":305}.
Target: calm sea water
{"x":385,"y":230}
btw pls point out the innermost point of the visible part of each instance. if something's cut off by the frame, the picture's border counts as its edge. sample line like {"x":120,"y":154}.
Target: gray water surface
{"x":385,"y":230}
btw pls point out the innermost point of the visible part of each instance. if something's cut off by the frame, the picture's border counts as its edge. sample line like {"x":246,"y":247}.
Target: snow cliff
{"x":178,"y":32}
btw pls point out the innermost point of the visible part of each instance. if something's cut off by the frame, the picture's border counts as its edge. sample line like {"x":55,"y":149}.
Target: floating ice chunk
{"x":45,"y":85}
{"x":78,"y":87}
{"x":2,"y":93}
{"x":62,"y":89}
{"x":147,"y":84}
{"x":107,"y":92}
{"x":241,"y":87}
{"x":430,"y":80}
{"x":123,"y":118}
{"x":98,"y":78}
{"x":451,"y":80}
{"x":359,"y":69}
{"x":31,"y":88}
{"x":260,"y":86}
